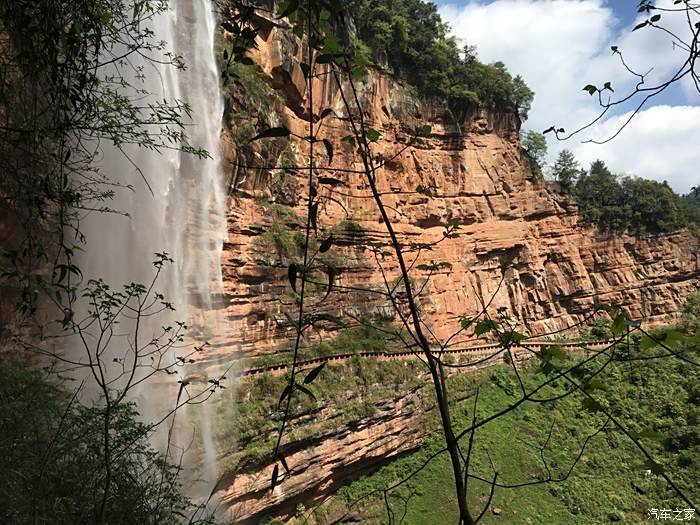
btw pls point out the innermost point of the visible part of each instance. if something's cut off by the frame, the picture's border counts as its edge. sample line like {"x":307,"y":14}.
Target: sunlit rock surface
{"x":551,"y":268}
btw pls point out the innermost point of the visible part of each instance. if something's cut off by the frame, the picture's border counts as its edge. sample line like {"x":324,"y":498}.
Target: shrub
{"x":690,"y":313}
{"x":52,"y":459}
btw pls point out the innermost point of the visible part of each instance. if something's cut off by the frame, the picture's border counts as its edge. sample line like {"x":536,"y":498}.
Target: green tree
{"x":632,"y":204}
{"x":566,"y":170}
{"x":649,"y":206}
{"x":599,"y":195}
{"x":411,"y":38}
{"x":535,"y":145}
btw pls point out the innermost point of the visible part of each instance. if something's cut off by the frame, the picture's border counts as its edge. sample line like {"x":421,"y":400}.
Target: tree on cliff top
{"x":566,"y":170}
{"x":632,"y":204}
{"x":411,"y":36}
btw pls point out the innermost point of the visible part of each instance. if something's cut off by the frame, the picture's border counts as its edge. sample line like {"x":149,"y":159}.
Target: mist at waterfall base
{"x":175,"y":203}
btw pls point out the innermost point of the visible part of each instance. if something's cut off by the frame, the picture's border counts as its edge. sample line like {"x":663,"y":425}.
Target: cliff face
{"x":557,"y":268}
{"x":321,"y":463}
{"x":518,"y":242}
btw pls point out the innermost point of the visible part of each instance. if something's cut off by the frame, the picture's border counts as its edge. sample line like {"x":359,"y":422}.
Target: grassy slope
{"x":608,"y":484}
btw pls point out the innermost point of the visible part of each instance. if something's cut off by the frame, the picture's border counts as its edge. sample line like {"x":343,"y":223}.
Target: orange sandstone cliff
{"x":557,"y":267}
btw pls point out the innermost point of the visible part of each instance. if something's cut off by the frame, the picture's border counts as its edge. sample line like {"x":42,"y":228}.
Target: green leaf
{"x":292,"y":275}
{"x":313,"y":374}
{"x":313,"y":216}
{"x":331,"y":181}
{"x":466,"y":322}
{"x":373,"y":135}
{"x":284,"y":462}
{"x":275,"y":475}
{"x":306,"y":391}
{"x":671,"y":338}
{"x":591,"y":89}
{"x":67,"y":317}
{"x":639,"y":26}
{"x":332,"y":45}
{"x":288,"y":7}
{"x":326,"y":112}
{"x":272,"y":132}
{"x":619,"y":325}
{"x":512,"y":337}
{"x":484,"y":326}
{"x":329,"y":150}
{"x":551,"y":354}
{"x":614,"y":49}
{"x":655,"y":18}
{"x":608,"y":86}
{"x":647,"y":342}
{"x":330,"y":271}
{"x":287,"y":391}
{"x":326,"y":245}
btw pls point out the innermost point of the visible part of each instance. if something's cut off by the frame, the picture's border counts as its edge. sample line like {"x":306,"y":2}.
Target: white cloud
{"x":559,"y":46}
{"x":660,"y":146}
{"x":547,"y":42}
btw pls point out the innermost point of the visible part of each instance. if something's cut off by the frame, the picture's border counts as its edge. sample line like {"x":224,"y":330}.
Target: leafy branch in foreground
{"x":72,"y":79}
{"x":687,"y":13}
{"x":114,"y":344}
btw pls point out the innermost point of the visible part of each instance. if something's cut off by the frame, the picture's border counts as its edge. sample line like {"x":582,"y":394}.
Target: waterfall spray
{"x":171,"y":201}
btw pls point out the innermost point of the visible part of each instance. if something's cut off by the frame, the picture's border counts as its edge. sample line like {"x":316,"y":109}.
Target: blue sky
{"x":559,"y":46}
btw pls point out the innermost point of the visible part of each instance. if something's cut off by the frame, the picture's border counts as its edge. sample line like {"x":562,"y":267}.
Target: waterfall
{"x":170,"y":201}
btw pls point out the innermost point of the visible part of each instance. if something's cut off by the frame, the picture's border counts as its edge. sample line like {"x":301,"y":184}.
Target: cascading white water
{"x":176,"y":203}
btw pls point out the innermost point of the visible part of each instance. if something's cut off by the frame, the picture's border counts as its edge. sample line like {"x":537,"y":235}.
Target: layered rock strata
{"x":520,"y":246}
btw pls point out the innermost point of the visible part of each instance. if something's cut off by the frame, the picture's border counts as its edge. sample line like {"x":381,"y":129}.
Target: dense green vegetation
{"x":624,"y":203}
{"x":413,"y":39}
{"x":657,"y":399}
{"x":52,"y":461}
{"x":351,"y":390}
